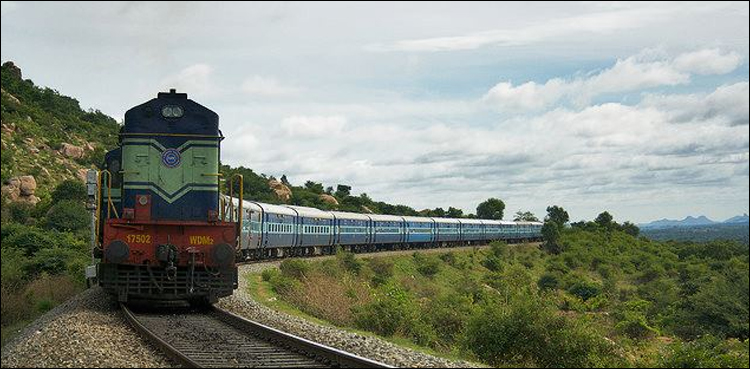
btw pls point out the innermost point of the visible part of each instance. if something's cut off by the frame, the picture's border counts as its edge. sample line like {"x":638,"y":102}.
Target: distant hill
{"x":689,"y":221}
{"x":738,"y":219}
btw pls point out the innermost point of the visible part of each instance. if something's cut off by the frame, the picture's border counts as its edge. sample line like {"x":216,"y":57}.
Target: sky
{"x":640,"y":109}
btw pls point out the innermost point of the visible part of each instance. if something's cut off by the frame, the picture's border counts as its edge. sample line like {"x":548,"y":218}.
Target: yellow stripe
{"x":168,"y":135}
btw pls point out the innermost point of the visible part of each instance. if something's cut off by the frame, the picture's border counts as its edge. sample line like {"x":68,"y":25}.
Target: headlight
{"x":172,"y":111}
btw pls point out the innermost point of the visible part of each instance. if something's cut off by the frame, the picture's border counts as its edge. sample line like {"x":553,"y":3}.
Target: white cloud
{"x":313,"y":126}
{"x":6,"y":7}
{"x":196,"y":80}
{"x":708,"y":61}
{"x":267,"y":87}
{"x":648,"y":69}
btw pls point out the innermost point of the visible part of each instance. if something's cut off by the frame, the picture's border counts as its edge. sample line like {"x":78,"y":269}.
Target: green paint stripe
{"x":158,"y":144}
{"x":165,"y":196}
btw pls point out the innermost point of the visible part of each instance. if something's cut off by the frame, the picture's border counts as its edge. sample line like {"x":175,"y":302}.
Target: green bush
{"x":391,"y":312}
{"x":19,"y":212}
{"x":68,"y":215}
{"x":28,"y":239}
{"x":69,"y":190}
{"x":706,"y":352}
{"x":585,"y":289}
{"x":295,"y":268}
{"x":349,"y":262}
{"x":382,"y":270}
{"x":448,"y":314}
{"x":632,"y":320}
{"x":13,"y":267}
{"x":528,"y":332}
{"x":547,"y":281}
{"x":427,"y":266}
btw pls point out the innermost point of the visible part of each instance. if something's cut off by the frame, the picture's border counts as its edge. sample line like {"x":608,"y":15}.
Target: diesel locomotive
{"x":161,"y":232}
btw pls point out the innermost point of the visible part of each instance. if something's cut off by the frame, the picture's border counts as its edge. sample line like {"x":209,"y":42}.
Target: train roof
{"x":310,"y":212}
{"x":276,"y":209}
{"x":470,"y":221}
{"x":348,"y":215}
{"x":418,"y":219}
{"x":446,"y":220}
{"x":386,"y":218}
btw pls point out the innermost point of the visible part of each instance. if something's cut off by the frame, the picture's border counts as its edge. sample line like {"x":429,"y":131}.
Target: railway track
{"x":216,"y":338}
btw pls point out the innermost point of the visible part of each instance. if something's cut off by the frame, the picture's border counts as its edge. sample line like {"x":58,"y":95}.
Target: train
{"x":276,"y":231}
{"x":161,"y":233}
{"x":165,"y":231}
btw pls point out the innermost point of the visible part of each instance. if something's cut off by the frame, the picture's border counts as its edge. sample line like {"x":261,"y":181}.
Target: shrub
{"x":348,"y":261}
{"x":391,"y":312}
{"x":19,"y":212}
{"x":706,"y":352}
{"x":295,"y":268}
{"x":528,"y":332}
{"x":13,"y":266}
{"x":585,"y":289}
{"x":69,"y":190}
{"x":68,"y":215}
{"x":28,"y":239}
{"x":547,"y":282}
{"x":426,"y":265}
{"x":448,"y":315}
{"x":632,"y":320}
{"x":382,"y":270}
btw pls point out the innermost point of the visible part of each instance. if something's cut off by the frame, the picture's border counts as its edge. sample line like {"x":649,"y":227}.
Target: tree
{"x":630,"y":229}
{"x":68,"y":215}
{"x":284,"y":180}
{"x":551,"y":234}
{"x":343,"y":191}
{"x":69,"y":190}
{"x":329,"y":190}
{"x":491,"y":209}
{"x":525,"y":216}
{"x":314,"y":187}
{"x":557,"y":214}
{"x":454,"y":213}
{"x":604,"y":220}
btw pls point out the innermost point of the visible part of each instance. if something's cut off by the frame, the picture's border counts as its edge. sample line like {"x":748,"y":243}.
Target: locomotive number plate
{"x":139,"y":238}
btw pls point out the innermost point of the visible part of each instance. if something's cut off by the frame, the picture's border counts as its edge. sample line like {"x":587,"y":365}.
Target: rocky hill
{"x":46,"y":137}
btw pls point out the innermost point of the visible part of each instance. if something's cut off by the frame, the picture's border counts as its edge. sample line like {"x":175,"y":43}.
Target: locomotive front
{"x":161,"y":233}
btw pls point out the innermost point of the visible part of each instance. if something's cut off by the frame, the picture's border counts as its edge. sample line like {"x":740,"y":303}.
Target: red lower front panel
{"x":159,"y":242}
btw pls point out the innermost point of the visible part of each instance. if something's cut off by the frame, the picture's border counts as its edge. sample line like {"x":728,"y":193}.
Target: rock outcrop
{"x":281,"y":190}
{"x":21,"y":189}
{"x":71,"y":151}
{"x":329,"y":199}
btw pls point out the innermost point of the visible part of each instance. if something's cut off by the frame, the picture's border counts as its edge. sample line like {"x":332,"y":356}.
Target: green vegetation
{"x":36,"y":123}
{"x":44,"y":252}
{"x":603,"y":298}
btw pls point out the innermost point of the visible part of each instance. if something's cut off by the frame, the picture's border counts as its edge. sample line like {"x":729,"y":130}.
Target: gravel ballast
{"x":86,"y":331}
{"x":373,"y":348}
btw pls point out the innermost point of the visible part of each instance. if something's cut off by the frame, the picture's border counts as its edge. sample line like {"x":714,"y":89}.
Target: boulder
{"x":281,"y":190}
{"x":27,"y":185}
{"x":9,"y":128}
{"x":71,"y":151}
{"x":329,"y":199}
{"x":13,"y":70}
{"x":367,"y":210}
{"x":21,"y":189}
